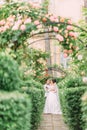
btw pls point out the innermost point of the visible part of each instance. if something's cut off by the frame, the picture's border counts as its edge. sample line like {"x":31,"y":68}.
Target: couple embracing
{"x":52,"y":103}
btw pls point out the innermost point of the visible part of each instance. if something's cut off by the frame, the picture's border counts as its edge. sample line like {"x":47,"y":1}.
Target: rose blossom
{"x":55,"y":29}
{"x":52,"y":19}
{"x":69,"y":27}
{"x":2,"y":22}
{"x":2,"y":29}
{"x":39,"y":26}
{"x":19,"y":22}
{"x":69,"y":21}
{"x":73,"y":34}
{"x":15,"y":27}
{"x":36,"y":22}
{"x":11,"y":18}
{"x":59,"y":37}
{"x":22,"y":27}
{"x":27,"y":21}
{"x":79,"y":57}
{"x":56,"y":20}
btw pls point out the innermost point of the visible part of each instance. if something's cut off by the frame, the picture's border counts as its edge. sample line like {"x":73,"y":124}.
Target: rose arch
{"x":21,"y":21}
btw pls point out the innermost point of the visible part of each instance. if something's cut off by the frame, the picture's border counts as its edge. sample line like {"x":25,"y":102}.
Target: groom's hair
{"x":54,"y":80}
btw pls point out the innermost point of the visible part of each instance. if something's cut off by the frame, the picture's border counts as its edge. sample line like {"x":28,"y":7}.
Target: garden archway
{"x":20,"y":21}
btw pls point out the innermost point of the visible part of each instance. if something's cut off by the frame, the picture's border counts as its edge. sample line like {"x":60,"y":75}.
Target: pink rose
{"x":36,"y":22}
{"x":52,"y":19}
{"x":56,"y":20}
{"x":59,"y":37}
{"x":73,"y":34}
{"x":3,"y":29}
{"x":27,"y":21}
{"x":19,"y":22}
{"x":69,"y":21}
{"x":69,"y":27}
{"x":80,"y":57}
{"x":11,"y":18}
{"x":2,"y":22}
{"x":39,"y":26}
{"x":15,"y":27}
{"x":22,"y":27}
{"x":55,"y":29}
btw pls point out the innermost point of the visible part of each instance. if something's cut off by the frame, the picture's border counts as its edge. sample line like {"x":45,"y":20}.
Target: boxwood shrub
{"x":71,"y":81}
{"x":15,"y":111}
{"x":84,"y":110}
{"x":37,"y":99}
{"x":10,"y":75}
{"x":31,"y":82}
{"x":71,"y":106}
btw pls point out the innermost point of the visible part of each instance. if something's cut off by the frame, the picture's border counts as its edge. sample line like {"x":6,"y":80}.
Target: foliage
{"x":21,"y":21}
{"x":79,"y":61}
{"x":15,"y":111}
{"x":37,"y":98}
{"x":45,"y":5}
{"x":29,"y":81}
{"x":84,"y":110}
{"x":71,"y":81}
{"x":71,"y":106}
{"x":35,"y":61}
{"x":10,"y":75}
{"x":32,"y":62}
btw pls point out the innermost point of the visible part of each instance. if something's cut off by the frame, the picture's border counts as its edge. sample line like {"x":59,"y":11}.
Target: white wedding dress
{"x":52,"y":104}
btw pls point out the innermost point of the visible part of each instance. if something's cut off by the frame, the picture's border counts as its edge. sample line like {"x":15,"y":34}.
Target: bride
{"x":52,"y":104}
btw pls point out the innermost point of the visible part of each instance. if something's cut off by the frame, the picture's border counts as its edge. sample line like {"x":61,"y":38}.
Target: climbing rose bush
{"x":19,"y":21}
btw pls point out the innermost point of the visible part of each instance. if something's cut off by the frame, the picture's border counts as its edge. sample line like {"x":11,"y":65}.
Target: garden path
{"x":52,"y":122}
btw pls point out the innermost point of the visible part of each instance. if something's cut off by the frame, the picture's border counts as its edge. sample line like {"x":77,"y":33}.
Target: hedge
{"x":30,"y":82}
{"x":38,"y":100}
{"x":15,"y":111}
{"x":71,"y":106}
{"x":84,"y":110}
{"x":71,"y":81}
{"x":10,"y":75}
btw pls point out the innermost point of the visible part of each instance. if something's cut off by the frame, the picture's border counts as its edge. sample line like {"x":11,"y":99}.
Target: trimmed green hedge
{"x":14,"y":111}
{"x":10,"y":75}
{"x":37,"y":99}
{"x":84,"y":110}
{"x":71,"y":106}
{"x":30,"y":82}
{"x":71,"y":81}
